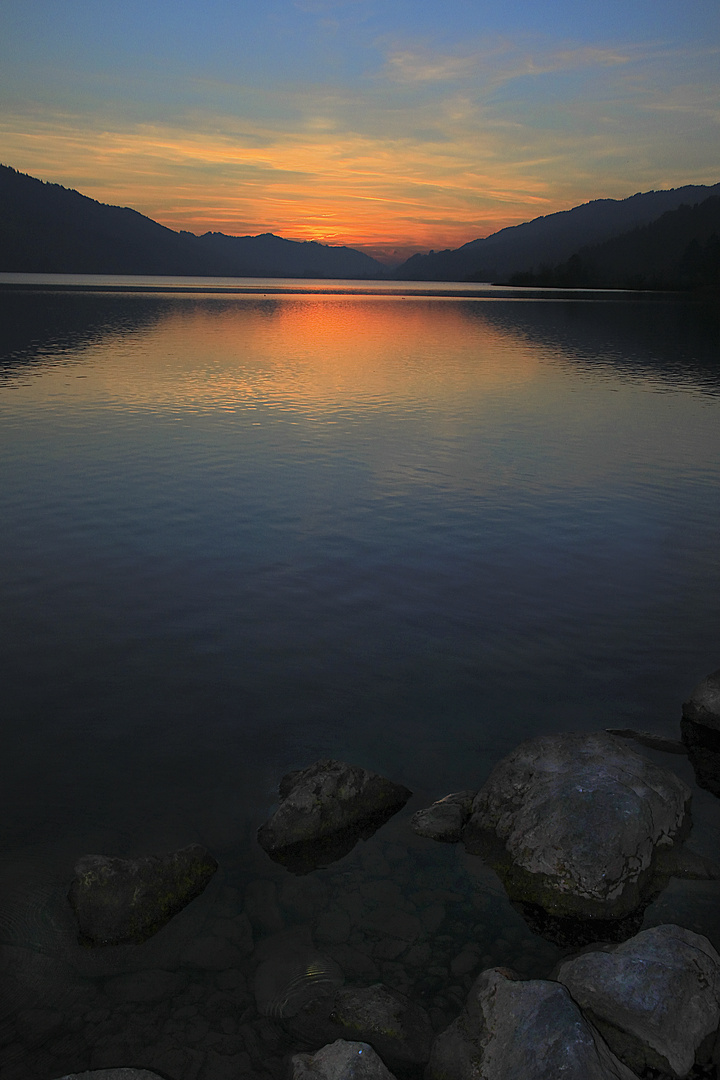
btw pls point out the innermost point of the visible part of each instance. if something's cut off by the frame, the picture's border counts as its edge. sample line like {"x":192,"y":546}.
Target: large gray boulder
{"x":398,"y":1029}
{"x":340,"y":1060}
{"x":128,"y":900}
{"x":573,"y":823}
{"x":324,"y":810}
{"x":700,"y":727}
{"x":655,"y":998}
{"x":511,"y":1029}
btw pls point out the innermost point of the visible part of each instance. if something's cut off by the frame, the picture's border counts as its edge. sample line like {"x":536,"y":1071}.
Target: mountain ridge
{"x":47,"y":228}
{"x":679,"y":250}
{"x":548,"y":239}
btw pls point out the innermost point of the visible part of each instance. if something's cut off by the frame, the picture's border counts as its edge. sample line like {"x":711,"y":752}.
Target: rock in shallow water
{"x":510,"y":1030}
{"x":446,"y":818}
{"x":572,"y":822}
{"x":324,"y":810}
{"x":340,"y":1060}
{"x":398,"y":1029}
{"x":128,"y":900}
{"x":655,"y":998}
{"x":700,"y":726}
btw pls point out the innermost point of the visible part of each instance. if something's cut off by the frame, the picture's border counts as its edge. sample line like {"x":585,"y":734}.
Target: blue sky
{"x":391,"y":126}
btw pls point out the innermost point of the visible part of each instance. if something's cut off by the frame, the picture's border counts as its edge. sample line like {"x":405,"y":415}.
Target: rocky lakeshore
{"x":344,"y":961}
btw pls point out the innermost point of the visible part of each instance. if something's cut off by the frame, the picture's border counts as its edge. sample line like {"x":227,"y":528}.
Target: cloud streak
{"x":428,"y":148}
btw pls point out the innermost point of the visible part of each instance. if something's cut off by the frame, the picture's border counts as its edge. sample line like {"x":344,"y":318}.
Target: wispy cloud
{"x":431,"y":150}
{"x":495,"y":62}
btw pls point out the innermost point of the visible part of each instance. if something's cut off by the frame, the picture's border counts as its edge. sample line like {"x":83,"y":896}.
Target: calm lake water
{"x":245,"y":530}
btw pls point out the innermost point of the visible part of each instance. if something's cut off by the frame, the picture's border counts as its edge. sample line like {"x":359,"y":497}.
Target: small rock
{"x":649,"y":739}
{"x":446,"y":818}
{"x":703,"y":707}
{"x":339,"y":1060}
{"x":396,"y":1027}
{"x":418,"y":955}
{"x":700,"y":728}
{"x":465,"y":962}
{"x":113,"y":1074}
{"x":388,"y":948}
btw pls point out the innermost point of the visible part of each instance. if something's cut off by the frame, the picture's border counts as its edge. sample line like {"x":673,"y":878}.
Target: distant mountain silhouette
{"x":46,"y":228}
{"x":547,"y":240}
{"x":681,"y":250}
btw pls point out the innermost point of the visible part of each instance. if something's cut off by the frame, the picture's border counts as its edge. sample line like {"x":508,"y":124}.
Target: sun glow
{"x":393,"y":146}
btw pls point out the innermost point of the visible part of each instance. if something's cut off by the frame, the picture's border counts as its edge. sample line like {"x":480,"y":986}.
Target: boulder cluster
{"x":582,"y":831}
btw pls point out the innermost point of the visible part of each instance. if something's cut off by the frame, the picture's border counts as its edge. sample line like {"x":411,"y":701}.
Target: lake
{"x":247,"y":525}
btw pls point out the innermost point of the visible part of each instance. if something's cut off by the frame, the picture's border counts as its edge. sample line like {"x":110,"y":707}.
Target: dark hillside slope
{"x":681,"y":250}
{"x":273,"y":256}
{"x":548,"y":240}
{"x":46,"y":228}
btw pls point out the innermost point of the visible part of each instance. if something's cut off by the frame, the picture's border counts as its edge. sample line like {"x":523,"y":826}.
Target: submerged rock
{"x":324,"y":810}
{"x":128,"y":900}
{"x":655,"y":998}
{"x":650,"y":739}
{"x":339,"y":1060}
{"x":510,"y":1029}
{"x":292,"y":974}
{"x":396,"y":1027}
{"x":700,"y":727}
{"x":446,"y":818}
{"x":572,"y":824}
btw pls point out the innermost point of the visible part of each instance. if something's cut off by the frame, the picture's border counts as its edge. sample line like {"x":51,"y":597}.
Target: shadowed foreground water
{"x":243,"y":532}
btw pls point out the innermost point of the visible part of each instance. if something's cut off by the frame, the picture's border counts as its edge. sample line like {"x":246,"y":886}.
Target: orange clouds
{"x":430,"y":149}
{"x":338,"y":188}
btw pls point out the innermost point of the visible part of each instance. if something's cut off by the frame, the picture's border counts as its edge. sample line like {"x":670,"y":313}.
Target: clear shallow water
{"x":241,"y":532}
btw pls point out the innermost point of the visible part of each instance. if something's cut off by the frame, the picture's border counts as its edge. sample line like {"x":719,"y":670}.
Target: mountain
{"x":46,"y":228}
{"x":272,"y":256}
{"x":680,"y":250}
{"x":548,"y":240}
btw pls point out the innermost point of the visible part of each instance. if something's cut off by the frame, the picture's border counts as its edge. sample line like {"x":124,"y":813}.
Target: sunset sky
{"x":388,"y":125}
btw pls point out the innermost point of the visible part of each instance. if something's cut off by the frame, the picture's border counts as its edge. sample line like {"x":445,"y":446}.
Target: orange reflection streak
{"x":317,"y":355}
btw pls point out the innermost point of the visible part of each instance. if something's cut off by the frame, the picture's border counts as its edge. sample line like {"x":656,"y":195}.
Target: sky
{"x":393,"y":126}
